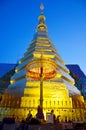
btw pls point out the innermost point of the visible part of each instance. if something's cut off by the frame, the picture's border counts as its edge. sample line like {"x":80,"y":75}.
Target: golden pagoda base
{"x":66,"y":109}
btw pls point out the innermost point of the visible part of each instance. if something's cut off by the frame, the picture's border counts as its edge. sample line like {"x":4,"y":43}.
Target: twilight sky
{"x":66,"y":22}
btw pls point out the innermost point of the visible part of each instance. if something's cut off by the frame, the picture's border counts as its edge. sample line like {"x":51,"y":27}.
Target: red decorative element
{"x":36,"y":76}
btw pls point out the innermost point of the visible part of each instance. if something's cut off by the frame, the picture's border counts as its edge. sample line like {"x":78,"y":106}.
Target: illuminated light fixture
{"x":12,"y":81}
{"x":20,"y":62}
{"x":16,"y":70}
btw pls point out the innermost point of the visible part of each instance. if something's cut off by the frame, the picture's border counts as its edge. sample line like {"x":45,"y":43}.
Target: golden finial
{"x":41,"y":18}
{"x":41,"y":7}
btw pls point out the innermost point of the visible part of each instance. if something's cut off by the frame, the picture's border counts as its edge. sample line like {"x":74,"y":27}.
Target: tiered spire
{"x":41,"y":42}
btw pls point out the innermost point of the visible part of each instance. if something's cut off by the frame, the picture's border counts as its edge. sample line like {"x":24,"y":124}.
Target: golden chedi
{"x":41,"y":78}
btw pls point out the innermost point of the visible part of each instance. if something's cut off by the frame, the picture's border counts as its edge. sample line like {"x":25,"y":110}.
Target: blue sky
{"x":66,"y":22}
